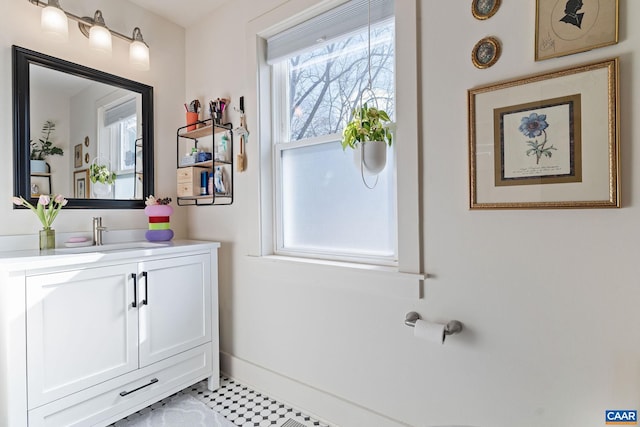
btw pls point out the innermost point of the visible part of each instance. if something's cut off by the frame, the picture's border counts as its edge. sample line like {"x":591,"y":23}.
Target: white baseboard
{"x":323,"y":406}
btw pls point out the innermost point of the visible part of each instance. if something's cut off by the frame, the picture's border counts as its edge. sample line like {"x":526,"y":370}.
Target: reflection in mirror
{"x":79,"y":107}
{"x":93,"y":129}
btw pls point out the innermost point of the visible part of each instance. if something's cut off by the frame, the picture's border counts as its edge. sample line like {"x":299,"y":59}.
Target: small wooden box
{"x":189,"y":180}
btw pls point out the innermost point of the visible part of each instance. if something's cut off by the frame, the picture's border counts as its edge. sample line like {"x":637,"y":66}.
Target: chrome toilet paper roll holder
{"x":452,"y":327}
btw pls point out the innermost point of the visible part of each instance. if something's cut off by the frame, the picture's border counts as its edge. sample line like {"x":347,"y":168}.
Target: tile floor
{"x":248,"y":408}
{"x":244,"y":407}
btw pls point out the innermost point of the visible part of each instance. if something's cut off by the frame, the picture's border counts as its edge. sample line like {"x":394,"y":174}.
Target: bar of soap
{"x":78,"y":239}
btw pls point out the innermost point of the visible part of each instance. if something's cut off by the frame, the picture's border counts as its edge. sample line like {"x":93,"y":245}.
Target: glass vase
{"x":47,"y":239}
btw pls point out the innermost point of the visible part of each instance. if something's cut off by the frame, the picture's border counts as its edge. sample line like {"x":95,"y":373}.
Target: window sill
{"x":387,"y":281}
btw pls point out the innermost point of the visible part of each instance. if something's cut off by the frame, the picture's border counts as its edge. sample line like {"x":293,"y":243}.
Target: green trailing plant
{"x":102,"y":174}
{"x":367,"y":124}
{"x":44,"y":147}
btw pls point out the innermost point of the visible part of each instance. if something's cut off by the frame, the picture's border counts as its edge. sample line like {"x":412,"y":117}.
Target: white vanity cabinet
{"x":103,"y":339}
{"x":81,"y":330}
{"x":175,"y":309}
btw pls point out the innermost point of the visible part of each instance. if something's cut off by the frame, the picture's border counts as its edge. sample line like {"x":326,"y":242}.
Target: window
{"x":117,"y":144}
{"x":322,"y":209}
{"x":121,"y":124}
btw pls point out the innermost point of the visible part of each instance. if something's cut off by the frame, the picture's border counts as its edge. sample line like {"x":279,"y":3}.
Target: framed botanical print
{"x":564,"y":27}
{"x":546,"y":141}
{"x":81,"y":184}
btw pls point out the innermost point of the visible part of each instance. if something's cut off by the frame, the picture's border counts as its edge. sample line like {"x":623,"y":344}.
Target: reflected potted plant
{"x":44,"y":148}
{"x":369,"y":134}
{"x":101,"y":178}
{"x":101,"y":174}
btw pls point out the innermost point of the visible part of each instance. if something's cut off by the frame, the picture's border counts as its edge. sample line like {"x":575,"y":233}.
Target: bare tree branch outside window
{"x":326,"y":84}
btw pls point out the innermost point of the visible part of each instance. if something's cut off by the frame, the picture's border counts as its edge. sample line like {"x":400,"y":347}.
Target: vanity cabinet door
{"x":175,"y":307}
{"x":82,"y":329}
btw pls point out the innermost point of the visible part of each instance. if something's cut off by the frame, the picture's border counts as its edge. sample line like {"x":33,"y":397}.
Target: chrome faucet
{"x":97,"y":230}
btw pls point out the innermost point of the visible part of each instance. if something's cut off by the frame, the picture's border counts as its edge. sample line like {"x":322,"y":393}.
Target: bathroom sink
{"x":112,"y":247}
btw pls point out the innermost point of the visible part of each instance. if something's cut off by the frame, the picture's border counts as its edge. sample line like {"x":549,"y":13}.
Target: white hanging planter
{"x":101,"y":190}
{"x":370,"y":156}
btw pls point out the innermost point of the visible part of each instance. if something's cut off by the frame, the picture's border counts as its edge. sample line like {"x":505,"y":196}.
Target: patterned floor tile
{"x":243,"y":406}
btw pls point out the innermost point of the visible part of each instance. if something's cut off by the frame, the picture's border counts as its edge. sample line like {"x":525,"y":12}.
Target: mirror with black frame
{"x":80,"y":132}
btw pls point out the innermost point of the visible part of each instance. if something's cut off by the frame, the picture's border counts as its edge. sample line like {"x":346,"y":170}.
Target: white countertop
{"x":33,"y":259}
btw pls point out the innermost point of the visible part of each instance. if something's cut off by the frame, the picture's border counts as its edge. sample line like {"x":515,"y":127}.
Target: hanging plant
{"x":367,"y":124}
{"x":102,"y":174}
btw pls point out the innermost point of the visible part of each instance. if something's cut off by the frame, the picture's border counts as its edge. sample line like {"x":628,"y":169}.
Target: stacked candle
{"x":159,"y":227}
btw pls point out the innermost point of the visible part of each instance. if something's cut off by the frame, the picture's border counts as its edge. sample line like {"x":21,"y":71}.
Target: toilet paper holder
{"x":453,"y":327}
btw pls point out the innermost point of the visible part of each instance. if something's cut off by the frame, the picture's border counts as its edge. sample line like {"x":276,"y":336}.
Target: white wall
{"x":20,"y":23}
{"x":50,"y":104}
{"x":548,"y":297}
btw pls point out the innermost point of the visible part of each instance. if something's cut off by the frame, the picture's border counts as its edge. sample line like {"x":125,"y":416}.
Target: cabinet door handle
{"x":134,"y":304}
{"x":152,"y":381}
{"x":145,"y":301}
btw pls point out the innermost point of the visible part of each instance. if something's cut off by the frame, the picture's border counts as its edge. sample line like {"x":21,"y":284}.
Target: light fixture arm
{"x":84,"y":23}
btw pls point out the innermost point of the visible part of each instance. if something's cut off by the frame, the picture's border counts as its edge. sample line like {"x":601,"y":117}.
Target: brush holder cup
{"x":192,"y":120}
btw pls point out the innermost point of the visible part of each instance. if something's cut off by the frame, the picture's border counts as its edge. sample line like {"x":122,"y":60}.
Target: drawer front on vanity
{"x":110,"y":401}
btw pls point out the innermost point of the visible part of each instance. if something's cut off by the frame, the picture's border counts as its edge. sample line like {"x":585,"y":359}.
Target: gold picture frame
{"x":81,"y":184}
{"x":565,"y":27}
{"x":486,"y":52}
{"x":77,"y":156}
{"x":484,"y":9}
{"x":546,"y":141}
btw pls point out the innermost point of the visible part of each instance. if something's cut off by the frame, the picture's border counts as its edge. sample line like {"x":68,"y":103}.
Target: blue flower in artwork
{"x":533,"y":125}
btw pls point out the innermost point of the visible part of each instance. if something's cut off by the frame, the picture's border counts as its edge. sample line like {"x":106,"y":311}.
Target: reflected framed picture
{"x":77,"y":156}
{"x":484,"y":9}
{"x":81,"y":184}
{"x":546,"y":141}
{"x":564,"y":27}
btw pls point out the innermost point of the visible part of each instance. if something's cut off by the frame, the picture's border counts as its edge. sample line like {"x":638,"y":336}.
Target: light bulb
{"x":139,"y":55}
{"x":100,"y":39}
{"x":139,"y":51}
{"x":54,"y":23}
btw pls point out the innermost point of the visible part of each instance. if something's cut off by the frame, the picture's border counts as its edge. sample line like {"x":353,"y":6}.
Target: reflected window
{"x":117,"y":145}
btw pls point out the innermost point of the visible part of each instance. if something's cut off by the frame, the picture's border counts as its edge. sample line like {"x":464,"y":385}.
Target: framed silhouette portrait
{"x":484,"y":9}
{"x":564,"y":27}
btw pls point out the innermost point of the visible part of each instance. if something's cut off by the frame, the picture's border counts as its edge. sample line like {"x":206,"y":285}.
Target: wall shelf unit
{"x":189,"y":172}
{"x":40,"y":178}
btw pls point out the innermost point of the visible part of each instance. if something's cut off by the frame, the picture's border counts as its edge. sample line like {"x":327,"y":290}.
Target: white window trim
{"x":408,"y":177}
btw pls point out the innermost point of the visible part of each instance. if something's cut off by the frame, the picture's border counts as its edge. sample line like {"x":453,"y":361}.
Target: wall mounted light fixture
{"x":54,"y":22}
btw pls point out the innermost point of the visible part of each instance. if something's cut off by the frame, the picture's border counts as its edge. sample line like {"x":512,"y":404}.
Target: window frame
{"x":283,"y":143}
{"x":407,"y":87}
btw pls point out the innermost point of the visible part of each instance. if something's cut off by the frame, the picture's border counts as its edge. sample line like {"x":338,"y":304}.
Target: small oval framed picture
{"x":484,"y":9}
{"x":486,"y":52}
